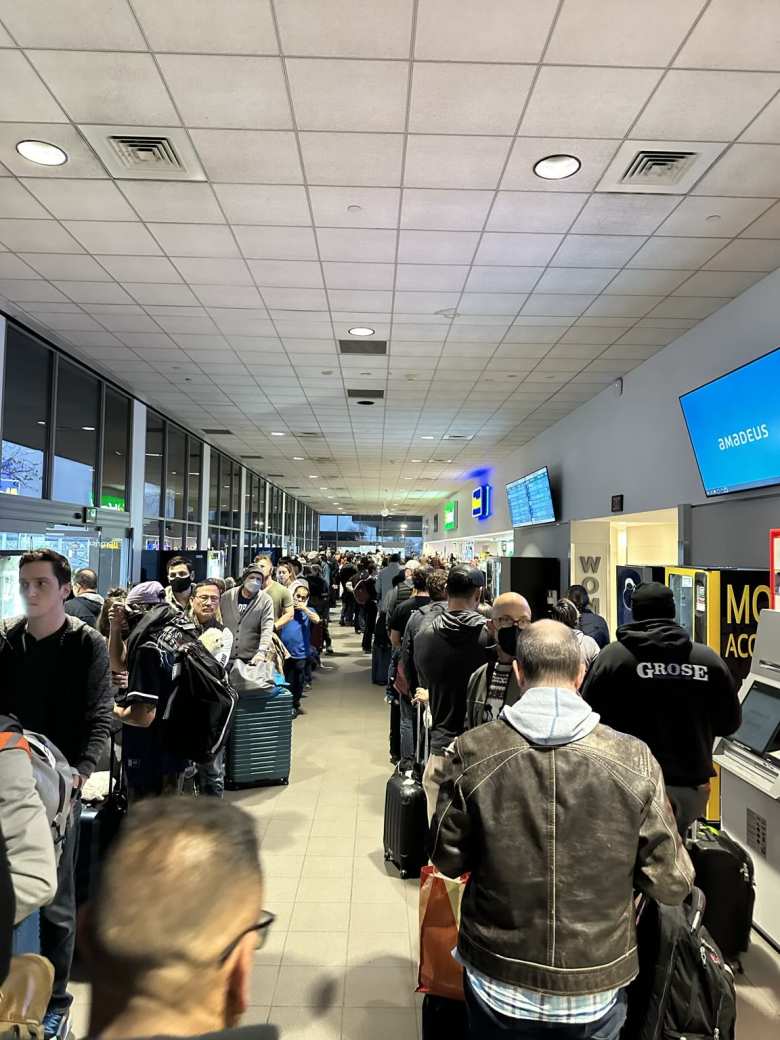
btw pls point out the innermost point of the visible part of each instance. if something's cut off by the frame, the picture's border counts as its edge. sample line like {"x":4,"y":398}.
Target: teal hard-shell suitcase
{"x":260,"y":742}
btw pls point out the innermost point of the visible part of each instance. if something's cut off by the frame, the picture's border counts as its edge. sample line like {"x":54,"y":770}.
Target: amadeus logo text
{"x":740,"y":437}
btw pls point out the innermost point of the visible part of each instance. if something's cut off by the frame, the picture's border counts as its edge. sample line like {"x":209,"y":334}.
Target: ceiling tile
{"x":187,"y":323}
{"x":745,"y":169}
{"x":36,"y":236}
{"x":106,"y":87}
{"x":422,"y":302}
{"x":228,"y":92}
{"x":494,"y":30}
{"x":348,"y":95}
{"x":595,"y":156}
{"x":195,"y":239}
{"x":766,"y":128}
{"x":688,"y":307}
{"x":15,"y":201}
{"x":491,"y":303}
{"x":138,"y":269}
{"x":534,"y":211}
{"x":596,"y":250}
{"x":452,"y":98}
{"x":94,"y":292}
{"x":590,"y":334}
{"x":503,"y":279}
{"x":557,"y":304}
{"x":264,"y":204}
{"x":623,"y":306}
{"x":610,"y":214}
{"x":433,"y":277}
{"x":746,"y":254}
{"x":230,"y":27}
{"x":604,"y":32}
{"x":275,"y":243}
{"x":345,"y":28}
{"x":30,"y":289}
{"x":81,"y":159}
{"x":80,"y":199}
{"x":173,"y":201}
{"x":767,"y":226}
{"x":596,"y":102}
{"x":706,"y":216}
{"x":356,"y":245}
{"x":76,"y":267}
{"x":437,"y":247}
{"x":296,"y":299}
{"x":734,"y":36}
{"x":377,"y":207}
{"x":677,"y":253}
{"x":161,"y":294}
{"x":429,"y":209}
{"x":646,"y":283}
{"x":359,"y":300}
{"x":518,"y":249}
{"x":22,"y":95}
{"x":300,"y":274}
{"x":705,"y":106}
{"x":96,"y":24}
{"x":249,"y":156}
{"x":575,"y":279}
{"x":718,"y":283}
{"x":228,"y":295}
{"x":212,"y":271}
{"x":352,"y":158}
{"x":454,"y":162}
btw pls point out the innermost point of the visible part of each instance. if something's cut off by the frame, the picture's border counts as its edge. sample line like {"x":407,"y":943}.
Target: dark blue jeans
{"x":486,"y":1024}
{"x":58,"y":919}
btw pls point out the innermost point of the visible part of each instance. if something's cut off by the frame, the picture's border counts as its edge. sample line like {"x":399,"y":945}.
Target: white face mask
{"x":252,"y":585}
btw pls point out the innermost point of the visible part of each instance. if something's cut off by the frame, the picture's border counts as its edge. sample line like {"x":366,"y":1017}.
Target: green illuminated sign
{"x":450,"y":516}
{"x":112,"y":502}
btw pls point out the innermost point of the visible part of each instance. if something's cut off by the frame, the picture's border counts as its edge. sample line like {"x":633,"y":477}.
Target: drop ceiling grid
{"x":127,"y":325}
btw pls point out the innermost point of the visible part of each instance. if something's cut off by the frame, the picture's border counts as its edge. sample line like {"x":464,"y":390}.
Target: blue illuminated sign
{"x":481,"y":501}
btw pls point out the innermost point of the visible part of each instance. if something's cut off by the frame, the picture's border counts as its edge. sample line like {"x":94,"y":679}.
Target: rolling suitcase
{"x":260,"y":743}
{"x":380,"y":663}
{"x":98,"y":826}
{"x":724,"y":873}
{"x":406,"y":816}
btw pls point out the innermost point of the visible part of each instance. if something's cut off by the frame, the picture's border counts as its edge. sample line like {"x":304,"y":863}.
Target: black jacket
{"x":595,"y":626}
{"x":673,"y":694}
{"x":86,"y":608}
{"x":446,"y":652}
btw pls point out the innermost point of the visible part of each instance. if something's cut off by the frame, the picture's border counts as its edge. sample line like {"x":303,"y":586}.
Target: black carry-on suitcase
{"x":724,"y":873}
{"x":380,"y":663}
{"x":98,"y":826}
{"x":260,"y":745}
{"x":406,"y":815}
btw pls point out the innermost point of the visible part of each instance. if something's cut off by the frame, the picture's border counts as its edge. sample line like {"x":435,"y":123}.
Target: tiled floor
{"x":341,"y":958}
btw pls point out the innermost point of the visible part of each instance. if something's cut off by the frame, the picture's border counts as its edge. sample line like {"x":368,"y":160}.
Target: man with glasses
{"x":296,"y":636}
{"x":495,"y":684}
{"x":175,"y":958}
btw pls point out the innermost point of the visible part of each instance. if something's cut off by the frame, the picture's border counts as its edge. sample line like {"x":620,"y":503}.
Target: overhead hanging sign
{"x":450,"y":515}
{"x":481,"y":501}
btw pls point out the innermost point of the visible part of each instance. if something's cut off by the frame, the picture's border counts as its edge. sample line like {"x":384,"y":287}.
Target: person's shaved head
{"x":510,"y":607}
{"x":548,"y":655}
{"x":181,"y":883}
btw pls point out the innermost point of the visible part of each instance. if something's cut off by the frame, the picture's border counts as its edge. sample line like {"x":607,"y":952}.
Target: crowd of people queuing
{"x":562,"y":772}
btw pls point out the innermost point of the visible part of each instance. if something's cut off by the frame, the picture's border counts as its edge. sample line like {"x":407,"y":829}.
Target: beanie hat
{"x":146,"y":592}
{"x":651,"y":599}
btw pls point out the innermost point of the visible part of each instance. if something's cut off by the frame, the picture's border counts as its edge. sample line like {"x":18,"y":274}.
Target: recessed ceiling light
{"x":323,"y":489}
{"x":427,"y":437}
{"x":298,"y":458}
{"x":88,"y":429}
{"x":416,"y":460}
{"x":314,"y":476}
{"x":42,"y":153}
{"x":41,"y":422}
{"x":557,"y":167}
{"x":360,"y":330}
{"x":275,"y":433}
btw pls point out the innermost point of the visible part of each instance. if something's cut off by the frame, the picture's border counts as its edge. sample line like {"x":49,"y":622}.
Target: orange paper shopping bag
{"x":440,"y":899}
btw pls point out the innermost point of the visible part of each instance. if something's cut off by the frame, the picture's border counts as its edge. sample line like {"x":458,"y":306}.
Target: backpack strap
{"x":9,"y":739}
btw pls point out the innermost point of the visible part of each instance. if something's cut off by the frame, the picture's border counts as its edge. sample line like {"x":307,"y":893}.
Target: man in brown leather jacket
{"x":559,"y":819}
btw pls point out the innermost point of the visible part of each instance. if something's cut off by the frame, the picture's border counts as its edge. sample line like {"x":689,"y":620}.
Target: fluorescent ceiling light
{"x":88,"y":429}
{"x":298,"y":458}
{"x":360,"y":330}
{"x":427,"y":437}
{"x":42,"y":153}
{"x":557,"y":167}
{"x":275,"y":433}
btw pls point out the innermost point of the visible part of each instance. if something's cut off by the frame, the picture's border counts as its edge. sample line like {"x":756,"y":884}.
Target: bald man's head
{"x":548,"y":655}
{"x":510,"y":607}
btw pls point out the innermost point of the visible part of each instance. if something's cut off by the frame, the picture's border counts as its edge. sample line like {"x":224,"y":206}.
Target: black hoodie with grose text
{"x":672,"y":693}
{"x":446,"y":653}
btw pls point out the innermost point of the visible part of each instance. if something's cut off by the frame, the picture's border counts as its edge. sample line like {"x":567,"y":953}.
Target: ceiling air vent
{"x":659,"y":167}
{"x":352,"y":346}
{"x":307,"y":433}
{"x":154,"y":153}
{"x":218,"y":433}
{"x":252,"y":458}
{"x":377,"y":395}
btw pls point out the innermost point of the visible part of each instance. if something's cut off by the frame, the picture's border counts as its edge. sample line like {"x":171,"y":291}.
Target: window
{"x":25,"y":415}
{"x":175,"y":468}
{"x":116,"y":439}
{"x":214,"y":488}
{"x":173,"y":535}
{"x":225,"y":491}
{"x":153,"y":469}
{"x":250,"y":502}
{"x":151,"y":534}
{"x":194,"y":470}
{"x":76,"y":436}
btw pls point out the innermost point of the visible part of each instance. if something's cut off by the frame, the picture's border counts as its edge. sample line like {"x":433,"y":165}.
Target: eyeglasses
{"x":207,"y":599}
{"x":262,"y":926}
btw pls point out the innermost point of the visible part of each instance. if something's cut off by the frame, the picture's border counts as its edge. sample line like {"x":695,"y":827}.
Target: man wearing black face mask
{"x":179,"y":588}
{"x":495,"y":684}
{"x":249,"y":614}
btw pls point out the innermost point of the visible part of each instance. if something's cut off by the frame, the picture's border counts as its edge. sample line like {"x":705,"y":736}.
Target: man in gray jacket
{"x":558,"y":818}
{"x":249,"y":614}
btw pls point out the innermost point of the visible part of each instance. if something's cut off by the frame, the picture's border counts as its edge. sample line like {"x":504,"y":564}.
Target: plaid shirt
{"x":514,"y":1002}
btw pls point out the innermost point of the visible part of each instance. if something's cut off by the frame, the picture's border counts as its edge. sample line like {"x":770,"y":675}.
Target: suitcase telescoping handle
{"x":422,"y":728}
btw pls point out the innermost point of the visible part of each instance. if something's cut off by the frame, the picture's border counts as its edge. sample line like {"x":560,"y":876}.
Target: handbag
{"x":24,"y":997}
{"x":440,"y":899}
{"x":250,"y":678}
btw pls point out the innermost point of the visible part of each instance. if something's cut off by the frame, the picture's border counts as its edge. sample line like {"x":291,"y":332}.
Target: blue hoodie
{"x":296,"y":635}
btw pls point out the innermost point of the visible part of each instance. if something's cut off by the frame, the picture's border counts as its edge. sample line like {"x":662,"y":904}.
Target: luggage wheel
{"x":404,"y":874}
{"x":387,"y":856}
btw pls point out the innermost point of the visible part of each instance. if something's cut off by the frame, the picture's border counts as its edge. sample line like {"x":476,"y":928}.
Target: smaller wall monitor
{"x":530,"y":499}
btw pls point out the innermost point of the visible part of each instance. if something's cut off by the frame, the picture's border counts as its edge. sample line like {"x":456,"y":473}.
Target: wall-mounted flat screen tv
{"x":734,"y":426}
{"x":530,"y":499}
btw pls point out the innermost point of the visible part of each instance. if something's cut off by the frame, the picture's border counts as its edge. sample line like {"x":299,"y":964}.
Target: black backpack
{"x":200,"y":708}
{"x":684,"y":987}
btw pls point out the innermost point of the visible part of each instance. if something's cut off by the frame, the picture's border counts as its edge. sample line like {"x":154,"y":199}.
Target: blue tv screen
{"x":734,"y":426}
{"x":530,"y":499}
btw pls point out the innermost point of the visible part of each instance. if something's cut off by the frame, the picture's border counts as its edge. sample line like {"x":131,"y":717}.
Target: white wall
{"x":637,"y":444}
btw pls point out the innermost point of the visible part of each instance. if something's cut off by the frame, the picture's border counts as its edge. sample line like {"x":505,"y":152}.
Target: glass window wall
{"x":116,"y":444}
{"x":175,"y":472}
{"x":26,"y":415}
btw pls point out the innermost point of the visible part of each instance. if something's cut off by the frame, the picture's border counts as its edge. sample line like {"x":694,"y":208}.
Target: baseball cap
{"x":651,"y":599}
{"x":463,"y":577}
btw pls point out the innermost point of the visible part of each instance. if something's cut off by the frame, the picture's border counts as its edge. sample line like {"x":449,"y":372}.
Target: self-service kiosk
{"x":749,"y":764}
